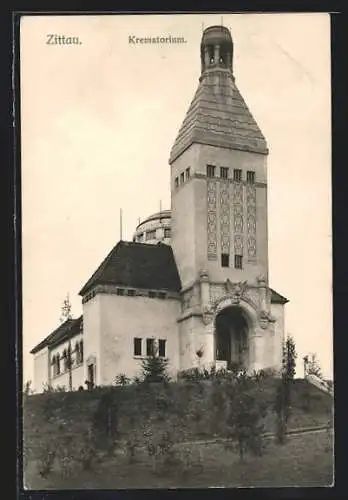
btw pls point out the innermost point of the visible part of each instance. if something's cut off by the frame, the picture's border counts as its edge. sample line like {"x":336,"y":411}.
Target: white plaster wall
{"x":77,"y":376}
{"x":41,"y":370}
{"x":278,"y":311}
{"x":123,"y":319}
{"x":92,"y":333}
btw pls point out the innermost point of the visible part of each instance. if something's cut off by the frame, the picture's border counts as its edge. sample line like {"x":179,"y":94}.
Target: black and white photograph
{"x":176,"y":251}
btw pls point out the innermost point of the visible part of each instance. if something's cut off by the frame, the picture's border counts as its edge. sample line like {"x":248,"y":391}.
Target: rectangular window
{"x":238,"y":261}
{"x":119,"y":291}
{"x":137,"y":346}
{"x":162,"y":295}
{"x":225,"y":260}
{"x":224,"y":172}
{"x":210,"y":171}
{"x":176,"y":182}
{"x":162,"y":348}
{"x":167,"y":233}
{"x":250,"y":177}
{"x":237,"y":175}
{"x":150,"y":347}
{"x":130,"y":293}
{"x":150,"y":235}
{"x":187,"y":173}
{"x":182,"y":178}
{"x":152,"y":294}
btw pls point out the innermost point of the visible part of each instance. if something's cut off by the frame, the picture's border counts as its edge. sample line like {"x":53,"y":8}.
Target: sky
{"x":98,"y":121}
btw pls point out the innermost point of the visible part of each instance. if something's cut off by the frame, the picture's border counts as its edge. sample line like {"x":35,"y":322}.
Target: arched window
{"x":81,"y":351}
{"x":65,"y":358}
{"x":77,"y":351}
{"x":54,"y":365}
{"x":57,"y":364}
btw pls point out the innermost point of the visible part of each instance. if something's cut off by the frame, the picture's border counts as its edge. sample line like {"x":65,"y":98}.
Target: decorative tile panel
{"x":251,"y":220}
{"x":225,"y":217}
{"x":212,"y":220}
{"x":238,"y":218}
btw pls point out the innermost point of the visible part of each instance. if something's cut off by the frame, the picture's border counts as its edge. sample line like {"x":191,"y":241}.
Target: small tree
{"x":313,"y":366}
{"x":245,"y":416}
{"x":155,"y":368}
{"x":283,"y":396}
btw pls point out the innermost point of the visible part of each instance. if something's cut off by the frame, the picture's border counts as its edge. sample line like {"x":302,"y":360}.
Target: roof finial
{"x":66,"y":309}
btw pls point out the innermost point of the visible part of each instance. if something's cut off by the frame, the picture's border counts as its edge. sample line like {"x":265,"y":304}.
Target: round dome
{"x":216,"y":35}
{"x":154,"y":229}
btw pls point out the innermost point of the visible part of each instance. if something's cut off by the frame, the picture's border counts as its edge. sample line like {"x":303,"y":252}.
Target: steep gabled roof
{"x":65,"y":331}
{"x":137,"y":265}
{"x":276,"y":298}
{"x":219,"y":116}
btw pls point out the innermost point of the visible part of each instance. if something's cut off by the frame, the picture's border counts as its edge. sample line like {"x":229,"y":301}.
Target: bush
{"x":155,"y":369}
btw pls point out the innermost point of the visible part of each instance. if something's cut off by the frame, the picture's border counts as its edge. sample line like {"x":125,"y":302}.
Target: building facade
{"x":193,"y":284}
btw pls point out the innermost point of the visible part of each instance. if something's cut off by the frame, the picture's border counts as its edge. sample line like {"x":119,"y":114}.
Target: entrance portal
{"x":231,"y":337}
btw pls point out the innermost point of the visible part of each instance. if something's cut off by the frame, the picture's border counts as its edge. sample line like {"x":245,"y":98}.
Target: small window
{"x":152,"y":294}
{"x":224,"y":172}
{"x":140,"y":236}
{"x":250,"y":177}
{"x":162,"y":295}
{"x":119,"y":291}
{"x":188,"y":173}
{"x":162,"y":348}
{"x":137,"y":347}
{"x":130,"y":293}
{"x":150,"y":235}
{"x":150,"y":347}
{"x":237,"y":175}
{"x":238,"y":261}
{"x":176,"y":182}
{"x":210,"y":171}
{"x":167,"y":233}
{"x":182,"y":178}
{"x":225,"y":260}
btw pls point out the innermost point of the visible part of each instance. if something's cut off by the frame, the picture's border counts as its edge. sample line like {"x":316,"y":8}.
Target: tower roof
{"x":218,"y":114}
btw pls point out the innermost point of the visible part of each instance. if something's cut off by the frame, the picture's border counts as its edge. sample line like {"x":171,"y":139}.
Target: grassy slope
{"x":305,"y":460}
{"x":74,"y":412}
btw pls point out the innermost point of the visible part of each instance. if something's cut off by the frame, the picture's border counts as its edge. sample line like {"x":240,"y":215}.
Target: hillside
{"x":92,"y":423}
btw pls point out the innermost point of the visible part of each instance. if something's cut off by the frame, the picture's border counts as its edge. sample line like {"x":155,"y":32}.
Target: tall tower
{"x":219,"y":195}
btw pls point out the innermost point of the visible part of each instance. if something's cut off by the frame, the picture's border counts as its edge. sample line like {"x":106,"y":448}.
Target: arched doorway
{"x":231,"y":337}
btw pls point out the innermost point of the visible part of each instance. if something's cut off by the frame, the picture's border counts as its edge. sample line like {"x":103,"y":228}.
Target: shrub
{"x":122,"y":379}
{"x":155,"y":369}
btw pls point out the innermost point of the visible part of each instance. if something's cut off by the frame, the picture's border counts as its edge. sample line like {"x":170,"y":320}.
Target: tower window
{"x":152,"y":294}
{"x":131,"y":293}
{"x":225,"y":260}
{"x":150,"y":347}
{"x":120,"y":291}
{"x":224,"y":172}
{"x":250,"y":177}
{"x":182,"y":178}
{"x":237,"y":175}
{"x":176,"y":182}
{"x":137,"y":347}
{"x":210,"y":171}
{"x":167,"y":232}
{"x":238,"y":261}
{"x":187,"y":173}
{"x":162,"y":348}
{"x":150,"y":235}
